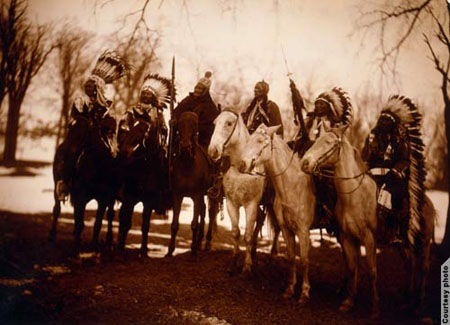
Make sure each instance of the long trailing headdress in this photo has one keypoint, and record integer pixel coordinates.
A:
(339, 102)
(408, 115)
(108, 68)
(160, 87)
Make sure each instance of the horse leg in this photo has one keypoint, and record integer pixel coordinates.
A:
(410, 275)
(289, 237)
(351, 252)
(98, 223)
(276, 229)
(146, 213)
(233, 212)
(78, 214)
(177, 200)
(425, 269)
(56, 214)
(212, 215)
(110, 216)
(303, 235)
(201, 226)
(125, 215)
(250, 236)
(259, 224)
(371, 253)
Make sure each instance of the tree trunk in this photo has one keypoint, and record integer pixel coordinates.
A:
(12, 131)
(445, 246)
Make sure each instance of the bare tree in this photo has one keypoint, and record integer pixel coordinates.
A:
(73, 62)
(139, 51)
(409, 19)
(26, 52)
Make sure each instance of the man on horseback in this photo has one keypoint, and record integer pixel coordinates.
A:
(200, 102)
(262, 110)
(388, 155)
(153, 99)
(93, 107)
(331, 109)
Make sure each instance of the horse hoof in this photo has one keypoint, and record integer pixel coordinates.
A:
(168, 255)
(375, 314)
(304, 299)
(346, 306)
(246, 270)
(207, 247)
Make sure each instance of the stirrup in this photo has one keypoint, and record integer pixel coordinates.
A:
(213, 192)
(60, 193)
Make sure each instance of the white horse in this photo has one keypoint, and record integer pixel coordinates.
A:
(229, 140)
(295, 200)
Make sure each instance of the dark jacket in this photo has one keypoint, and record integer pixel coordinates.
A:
(134, 114)
(270, 117)
(101, 118)
(206, 111)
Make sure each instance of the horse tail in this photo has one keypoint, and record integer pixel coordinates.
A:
(271, 218)
(213, 210)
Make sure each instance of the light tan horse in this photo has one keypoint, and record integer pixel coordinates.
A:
(295, 200)
(241, 190)
(356, 213)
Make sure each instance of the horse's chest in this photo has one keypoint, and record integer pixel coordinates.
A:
(242, 188)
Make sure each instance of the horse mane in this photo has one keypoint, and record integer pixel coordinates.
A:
(411, 119)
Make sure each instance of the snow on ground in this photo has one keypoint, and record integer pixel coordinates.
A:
(34, 194)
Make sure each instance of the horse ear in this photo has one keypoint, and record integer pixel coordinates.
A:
(341, 130)
(272, 130)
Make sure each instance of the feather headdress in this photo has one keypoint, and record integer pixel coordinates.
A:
(339, 102)
(408, 115)
(160, 87)
(110, 67)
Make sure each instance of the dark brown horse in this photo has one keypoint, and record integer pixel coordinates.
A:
(142, 176)
(89, 163)
(192, 175)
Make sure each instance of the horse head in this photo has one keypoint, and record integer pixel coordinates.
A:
(325, 151)
(137, 137)
(229, 130)
(259, 148)
(187, 126)
(78, 133)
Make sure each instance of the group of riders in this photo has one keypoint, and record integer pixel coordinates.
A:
(388, 161)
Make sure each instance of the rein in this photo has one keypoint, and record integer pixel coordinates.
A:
(234, 128)
(317, 172)
(255, 173)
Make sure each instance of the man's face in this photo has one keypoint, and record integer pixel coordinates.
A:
(90, 88)
(259, 91)
(147, 97)
(199, 90)
(322, 109)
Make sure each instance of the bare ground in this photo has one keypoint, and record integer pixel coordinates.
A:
(111, 288)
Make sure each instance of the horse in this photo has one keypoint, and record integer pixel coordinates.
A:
(142, 176)
(356, 213)
(84, 155)
(229, 139)
(191, 176)
(295, 199)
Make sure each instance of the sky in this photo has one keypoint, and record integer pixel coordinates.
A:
(249, 40)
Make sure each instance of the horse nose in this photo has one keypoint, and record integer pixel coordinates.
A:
(305, 165)
(242, 167)
(213, 152)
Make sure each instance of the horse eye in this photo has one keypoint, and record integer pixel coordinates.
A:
(228, 123)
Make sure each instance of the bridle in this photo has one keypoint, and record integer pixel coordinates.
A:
(267, 141)
(319, 172)
(234, 128)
